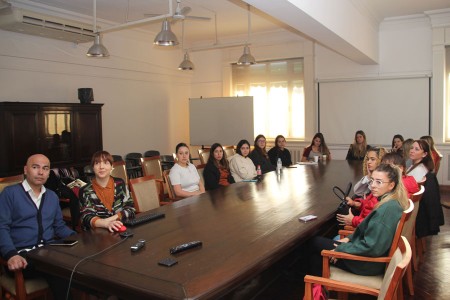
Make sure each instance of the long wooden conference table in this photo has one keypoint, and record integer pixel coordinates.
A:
(245, 228)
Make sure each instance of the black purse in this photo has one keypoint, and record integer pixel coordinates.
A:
(343, 206)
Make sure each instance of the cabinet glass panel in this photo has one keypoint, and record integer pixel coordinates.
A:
(58, 135)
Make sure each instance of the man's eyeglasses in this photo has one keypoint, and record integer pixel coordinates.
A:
(377, 182)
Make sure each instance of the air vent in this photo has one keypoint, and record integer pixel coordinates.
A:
(28, 22)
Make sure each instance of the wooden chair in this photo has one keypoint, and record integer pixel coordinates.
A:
(391, 281)
(7, 181)
(409, 233)
(120, 171)
(373, 282)
(203, 154)
(152, 166)
(200, 169)
(133, 161)
(19, 288)
(229, 150)
(144, 191)
(169, 186)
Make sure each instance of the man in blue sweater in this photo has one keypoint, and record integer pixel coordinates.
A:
(30, 217)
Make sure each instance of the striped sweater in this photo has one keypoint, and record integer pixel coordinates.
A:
(91, 206)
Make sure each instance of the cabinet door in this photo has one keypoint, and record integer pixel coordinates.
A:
(20, 139)
(88, 125)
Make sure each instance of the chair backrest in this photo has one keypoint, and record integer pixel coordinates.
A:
(7, 181)
(152, 166)
(203, 154)
(169, 186)
(200, 169)
(151, 153)
(145, 193)
(408, 228)
(229, 150)
(395, 270)
(117, 157)
(120, 170)
(398, 233)
(167, 162)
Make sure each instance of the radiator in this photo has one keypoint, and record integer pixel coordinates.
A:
(296, 154)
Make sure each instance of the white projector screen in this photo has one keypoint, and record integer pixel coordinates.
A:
(224, 120)
(381, 108)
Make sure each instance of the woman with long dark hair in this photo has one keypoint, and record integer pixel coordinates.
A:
(422, 162)
(259, 155)
(217, 170)
(318, 147)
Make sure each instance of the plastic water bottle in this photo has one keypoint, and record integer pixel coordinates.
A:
(279, 165)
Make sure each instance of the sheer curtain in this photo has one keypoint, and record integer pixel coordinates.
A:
(278, 95)
(447, 92)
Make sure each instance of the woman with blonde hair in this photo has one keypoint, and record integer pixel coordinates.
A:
(372, 160)
(373, 237)
(358, 149)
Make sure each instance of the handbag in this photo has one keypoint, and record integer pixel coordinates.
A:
(318, 292)
(343, 206)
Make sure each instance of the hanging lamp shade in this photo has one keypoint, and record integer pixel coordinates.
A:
(186, 64)
(246, 58)
(166, 37)
(97, 50)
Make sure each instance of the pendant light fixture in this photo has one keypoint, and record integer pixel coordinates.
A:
(186, 64)
(247, 58)
(166, 37)
(97, 50)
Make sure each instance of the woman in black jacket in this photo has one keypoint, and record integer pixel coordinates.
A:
(259, 155)
(217, 170)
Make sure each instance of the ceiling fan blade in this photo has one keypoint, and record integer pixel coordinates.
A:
(197, 18)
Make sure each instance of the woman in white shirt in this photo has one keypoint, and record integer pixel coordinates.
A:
(422, 161)
(184, 176)
(241, 165)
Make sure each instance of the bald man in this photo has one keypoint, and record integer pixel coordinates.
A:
(30, 216)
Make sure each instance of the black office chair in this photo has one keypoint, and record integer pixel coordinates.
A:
(117, 158)
(167, 162)
(151, 153)
(133, 162)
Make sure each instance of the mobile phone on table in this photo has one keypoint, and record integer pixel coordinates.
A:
(66, 242)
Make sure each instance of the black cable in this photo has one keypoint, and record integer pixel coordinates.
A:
(87, 257)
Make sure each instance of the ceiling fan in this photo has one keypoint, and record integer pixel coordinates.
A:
(181, 13)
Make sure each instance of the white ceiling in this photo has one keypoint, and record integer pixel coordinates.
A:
(231, 15)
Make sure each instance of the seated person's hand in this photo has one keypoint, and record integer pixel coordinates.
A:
(17, 262)
(113, 225)
(345, 219)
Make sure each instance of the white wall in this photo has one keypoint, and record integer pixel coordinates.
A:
(145, 97)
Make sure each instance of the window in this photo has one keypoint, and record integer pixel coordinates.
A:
(278, 96)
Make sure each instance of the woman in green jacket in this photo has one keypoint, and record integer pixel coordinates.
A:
(373, 237)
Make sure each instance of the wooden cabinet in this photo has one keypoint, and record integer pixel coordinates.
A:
(68, 133)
